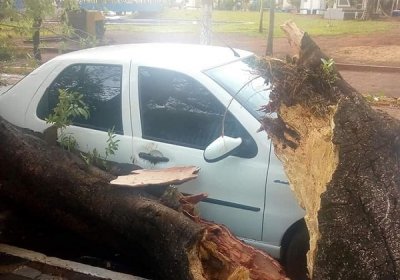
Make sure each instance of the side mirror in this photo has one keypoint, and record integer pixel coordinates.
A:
(220, 148)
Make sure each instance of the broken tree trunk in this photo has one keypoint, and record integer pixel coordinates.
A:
(56, 186)
(342, 159)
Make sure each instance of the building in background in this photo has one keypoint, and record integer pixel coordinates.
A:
(315, 7)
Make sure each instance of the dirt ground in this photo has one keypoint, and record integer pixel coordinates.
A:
(375, 49)
(378, 49)
(382, 49)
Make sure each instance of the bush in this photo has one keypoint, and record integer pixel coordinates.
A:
(6, 51)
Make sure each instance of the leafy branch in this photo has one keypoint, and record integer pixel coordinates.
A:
(95, 158)
(328, 70)
(70, 105)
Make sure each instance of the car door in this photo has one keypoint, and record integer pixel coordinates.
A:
(104, 90)
(177, 117)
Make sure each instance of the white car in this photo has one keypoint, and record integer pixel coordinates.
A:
(167, 102)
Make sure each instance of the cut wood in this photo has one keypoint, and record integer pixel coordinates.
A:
(342, 160)
(166, 176)
(58, 187)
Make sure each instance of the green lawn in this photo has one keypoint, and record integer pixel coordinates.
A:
(248, 22)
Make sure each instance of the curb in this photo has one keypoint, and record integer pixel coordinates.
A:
(367, 68)
(60, 266)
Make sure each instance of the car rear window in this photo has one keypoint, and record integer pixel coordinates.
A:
(100, 86)
(239, 79)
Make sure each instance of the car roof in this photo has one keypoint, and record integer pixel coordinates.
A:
(164, 55)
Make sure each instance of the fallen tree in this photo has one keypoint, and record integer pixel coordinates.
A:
(342, 160)
(340, 155)
(57, 186)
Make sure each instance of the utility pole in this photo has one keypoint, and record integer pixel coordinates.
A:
(270, 38)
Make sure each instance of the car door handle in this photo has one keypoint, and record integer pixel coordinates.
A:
(281, 182)
(153, 159)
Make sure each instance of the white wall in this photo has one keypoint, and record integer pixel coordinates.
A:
(312, 6)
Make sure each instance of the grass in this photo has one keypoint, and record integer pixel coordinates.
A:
(381, 100)
(248, 23)
(16, 70)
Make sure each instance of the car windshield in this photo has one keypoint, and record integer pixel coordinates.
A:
(240, 80)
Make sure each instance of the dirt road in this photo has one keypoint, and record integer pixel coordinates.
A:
(377, 49)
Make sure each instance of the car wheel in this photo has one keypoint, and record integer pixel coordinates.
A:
(294, 257)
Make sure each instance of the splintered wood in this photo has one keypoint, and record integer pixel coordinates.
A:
(150, 177)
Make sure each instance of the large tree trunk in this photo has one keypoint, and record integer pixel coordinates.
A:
(342, 159)
(57, 186)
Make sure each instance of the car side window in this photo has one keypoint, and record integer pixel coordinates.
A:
(100, 86)
(177, 109)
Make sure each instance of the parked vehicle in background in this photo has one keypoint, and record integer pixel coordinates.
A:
(169, 105)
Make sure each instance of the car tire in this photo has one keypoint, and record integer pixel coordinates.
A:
(294, 257)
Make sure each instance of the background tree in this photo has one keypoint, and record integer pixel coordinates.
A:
(6, 8)
(330, 3)
(370, 7)
(296, 3)
(27, 16)
(37, 10)
(69, 5)
(32, 12)
(260, 26)
(206, 21)
(270, 39)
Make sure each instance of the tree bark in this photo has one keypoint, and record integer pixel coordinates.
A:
(37, 23)
(370, 9)
(57, 186)
(270, 38)
(206, 22)
(261, 22)
(342, 160)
